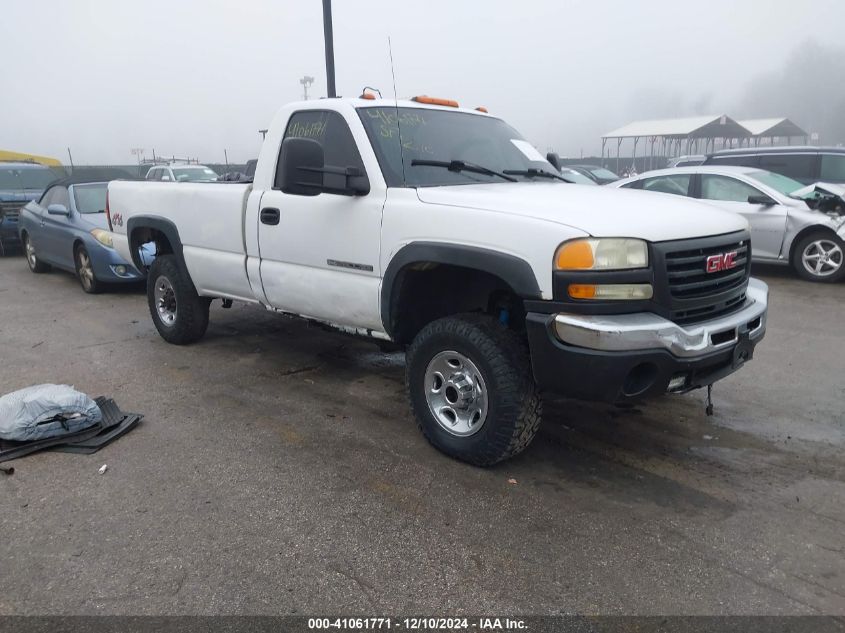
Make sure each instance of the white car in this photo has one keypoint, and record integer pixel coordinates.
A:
(441, 230)
(790, 222)
(181, 173)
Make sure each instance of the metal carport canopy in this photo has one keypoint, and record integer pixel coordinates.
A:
(772, 127)
(718, 126)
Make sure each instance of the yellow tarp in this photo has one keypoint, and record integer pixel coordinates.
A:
(44, 160)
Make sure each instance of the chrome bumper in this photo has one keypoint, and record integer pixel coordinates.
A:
(645, 331)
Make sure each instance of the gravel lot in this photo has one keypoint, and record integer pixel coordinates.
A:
(278, 471)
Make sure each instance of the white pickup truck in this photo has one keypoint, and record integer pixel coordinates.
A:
(442, 230)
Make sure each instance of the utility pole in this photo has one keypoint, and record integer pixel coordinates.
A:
(329, 40)
(71, 159)
(306, 81)
(226, 156)
(263, 134)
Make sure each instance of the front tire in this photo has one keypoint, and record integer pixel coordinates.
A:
(820, 256)
(471, 389)
(85, 271)
(35, 264)
(179, 313)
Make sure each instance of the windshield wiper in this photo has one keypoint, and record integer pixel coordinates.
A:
(534, 173)
(459, 166)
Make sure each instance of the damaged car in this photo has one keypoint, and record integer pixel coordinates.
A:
(791, 223)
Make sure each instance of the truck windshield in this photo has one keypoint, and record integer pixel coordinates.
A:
(25, 178)
(440, 135)
(90, 198)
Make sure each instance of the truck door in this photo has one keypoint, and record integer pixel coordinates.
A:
(320, 254)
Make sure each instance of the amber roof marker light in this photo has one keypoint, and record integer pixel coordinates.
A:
(369, 95)
(449, 103)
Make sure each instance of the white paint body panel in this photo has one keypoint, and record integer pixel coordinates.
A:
(229, 253)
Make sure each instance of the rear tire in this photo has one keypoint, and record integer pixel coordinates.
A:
(35, 264)
(471, 389)
(85, 271)
(820, 256)
(179, 313)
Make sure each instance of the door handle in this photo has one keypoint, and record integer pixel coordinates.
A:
(270, 216)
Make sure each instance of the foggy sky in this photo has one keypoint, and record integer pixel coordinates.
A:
(192, 77)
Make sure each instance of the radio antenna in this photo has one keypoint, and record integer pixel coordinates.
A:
(396, 107)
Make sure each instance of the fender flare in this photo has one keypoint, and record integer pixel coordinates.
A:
(514, 271)
(157, 223)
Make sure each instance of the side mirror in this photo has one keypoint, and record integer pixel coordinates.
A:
(766, 201)
(299, 171)
(302, 171)
(58, 209)
(554, 159)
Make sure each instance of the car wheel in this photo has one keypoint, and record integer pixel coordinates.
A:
(179, 313)
(820, 256)
(85, 271)
(35, 264)
(471, 389)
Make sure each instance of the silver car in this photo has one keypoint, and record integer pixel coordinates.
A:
(791, 223)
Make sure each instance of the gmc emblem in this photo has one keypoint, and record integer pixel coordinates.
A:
(725, 261)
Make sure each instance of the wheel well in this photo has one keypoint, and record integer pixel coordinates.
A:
(143, 235)
(76, 244)
(425, 291)
(804, 233)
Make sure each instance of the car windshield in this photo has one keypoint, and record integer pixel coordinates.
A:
(778, 182)
(573, 176)
(25, 178)
(194, 174)
(601, 172)
(444, 136)
(90, 198)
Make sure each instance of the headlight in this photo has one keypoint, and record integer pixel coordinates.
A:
(103, 237)
(610, 253)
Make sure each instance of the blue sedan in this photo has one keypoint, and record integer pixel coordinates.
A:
(67, 228)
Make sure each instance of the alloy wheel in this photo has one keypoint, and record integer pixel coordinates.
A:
(822, 257)
(165, 301)
(456, 393)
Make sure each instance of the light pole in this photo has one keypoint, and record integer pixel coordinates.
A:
(306, 81)
(328, 36)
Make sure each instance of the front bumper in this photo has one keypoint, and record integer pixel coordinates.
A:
(631, 356)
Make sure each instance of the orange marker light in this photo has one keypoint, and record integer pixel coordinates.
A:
(582, 291)
(482, 109)
(450, 103)
(574, 256)
(367, 95)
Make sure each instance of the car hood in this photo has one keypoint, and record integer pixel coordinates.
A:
(90, 221)
(822, 187)
(598, 211)
(20, 195)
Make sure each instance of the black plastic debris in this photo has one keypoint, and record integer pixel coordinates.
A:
(113, 425)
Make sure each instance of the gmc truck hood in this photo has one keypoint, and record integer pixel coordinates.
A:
(598, 211)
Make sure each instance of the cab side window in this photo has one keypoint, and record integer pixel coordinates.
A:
(153, 174)
(333, 133)
(726, 189)
(677, 184)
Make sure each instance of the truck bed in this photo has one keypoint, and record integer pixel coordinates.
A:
(210, 221)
